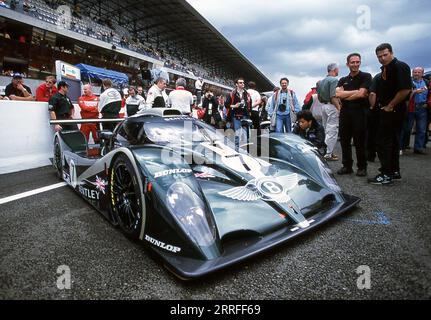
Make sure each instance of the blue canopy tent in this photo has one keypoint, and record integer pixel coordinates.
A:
(119, 79)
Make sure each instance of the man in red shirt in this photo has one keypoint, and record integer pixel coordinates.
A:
(89, 105)
(46, 90)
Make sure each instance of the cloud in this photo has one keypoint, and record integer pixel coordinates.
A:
(298, 39)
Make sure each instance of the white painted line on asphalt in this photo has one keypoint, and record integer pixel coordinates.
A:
(32, 192)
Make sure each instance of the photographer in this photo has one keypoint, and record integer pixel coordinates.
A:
(210, 105)
(238, 107)
(282, 108)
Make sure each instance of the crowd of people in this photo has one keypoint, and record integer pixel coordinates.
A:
(377, 114)
(102, 28)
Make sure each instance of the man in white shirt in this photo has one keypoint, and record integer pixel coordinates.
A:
(109, 104)
(180, 98)
(134, 102)
(156, 91)
(255, 103)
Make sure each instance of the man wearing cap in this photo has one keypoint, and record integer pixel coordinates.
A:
(17, 90)
(61, 108)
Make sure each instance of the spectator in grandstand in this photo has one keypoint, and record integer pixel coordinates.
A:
(396, 85)
(109, 104)
(309, 129)
(255, 104)
(180, 98)
(417, 113)
(157, 97)
(314, 105)
(134, 102)
(61, 108)
(282, 107)
(327, 95)
(89, 110)
(17, 90)
(46, 90)
(353, 92)
(238, 107)
(211, 110)
(198, 89)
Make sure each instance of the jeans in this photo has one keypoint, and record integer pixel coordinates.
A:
(421, 117)
(238, 131)
(283, 123)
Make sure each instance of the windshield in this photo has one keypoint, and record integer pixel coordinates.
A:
(171, 132)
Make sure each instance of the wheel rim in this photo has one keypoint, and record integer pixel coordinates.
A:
(57, 157)
(125, 199)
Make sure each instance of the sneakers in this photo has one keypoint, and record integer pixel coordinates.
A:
(381, 179)
(361, 173)
(344, 170)
(331, 157)
(396, 176)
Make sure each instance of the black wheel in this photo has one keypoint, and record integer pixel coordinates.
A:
(57, 161)
(126, 197)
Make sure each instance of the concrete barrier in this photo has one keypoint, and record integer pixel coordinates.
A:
(26, 136)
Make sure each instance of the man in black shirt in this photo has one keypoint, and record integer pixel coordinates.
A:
(61, 108)
(393, 91)
(353, 92)
(17, 90)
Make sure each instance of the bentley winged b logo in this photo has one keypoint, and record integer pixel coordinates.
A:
(266, 188)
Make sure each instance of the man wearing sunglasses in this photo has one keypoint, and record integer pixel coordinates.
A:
(46, 90)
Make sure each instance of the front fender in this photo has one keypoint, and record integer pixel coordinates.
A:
(163, 168)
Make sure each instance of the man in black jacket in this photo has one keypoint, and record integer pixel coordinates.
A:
(210, 105)
(309, 129)
(395, 87)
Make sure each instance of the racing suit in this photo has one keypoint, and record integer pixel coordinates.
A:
(89, 110)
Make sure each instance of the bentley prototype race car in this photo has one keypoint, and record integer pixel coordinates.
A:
(178, 185)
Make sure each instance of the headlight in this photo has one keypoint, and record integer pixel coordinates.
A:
(190, 212)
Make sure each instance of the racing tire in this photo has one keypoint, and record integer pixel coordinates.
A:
(57, 160)
(126, 198)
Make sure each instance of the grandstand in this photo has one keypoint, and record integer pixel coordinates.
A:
(122, 35)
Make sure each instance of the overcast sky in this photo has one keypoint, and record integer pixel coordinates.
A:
(298, 39)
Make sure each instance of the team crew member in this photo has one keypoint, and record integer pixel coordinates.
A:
(17, 90)
(134, 102)
(327, 95)
(157, 97)
(255, 104)
(46, 90)
(180, 98)
(309, 129)
(109, 104)
(394, 90)
(89, 110)
(61, 108)
(353, 92)
(238, 107)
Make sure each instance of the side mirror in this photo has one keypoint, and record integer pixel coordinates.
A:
(105, 135)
